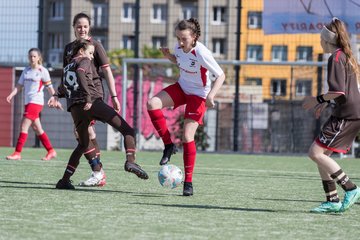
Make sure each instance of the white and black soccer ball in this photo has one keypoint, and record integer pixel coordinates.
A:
(170, 176)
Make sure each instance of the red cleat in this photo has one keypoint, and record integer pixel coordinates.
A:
(14, 156)
(50, 155)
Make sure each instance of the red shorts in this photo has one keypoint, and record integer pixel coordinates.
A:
(32, 111)
(195, 105)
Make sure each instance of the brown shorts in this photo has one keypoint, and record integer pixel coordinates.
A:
(337, 134)
(98, 111)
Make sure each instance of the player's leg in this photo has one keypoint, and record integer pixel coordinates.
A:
(81, 121)
(170, 96)
(24, 129)
(194, 114)
(39, 131)
(189, 154)
(104, 112)
(336, 135)
(92, 154)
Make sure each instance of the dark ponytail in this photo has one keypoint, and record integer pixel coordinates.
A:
(79, 44)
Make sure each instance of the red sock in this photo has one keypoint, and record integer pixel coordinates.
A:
(45, 141)
(159, 122)
(189, 159)
(21, 142)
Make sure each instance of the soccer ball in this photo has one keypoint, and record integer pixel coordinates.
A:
(170, 176)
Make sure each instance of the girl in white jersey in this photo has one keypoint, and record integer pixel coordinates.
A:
(33, 79)
(193, 88)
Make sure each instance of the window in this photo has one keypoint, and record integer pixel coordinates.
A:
(100, 15)
(253, 81)
(158, 42)
(56, 41)
(219, 15)
(254, 53)
(128, 42)
(304, 54)
(303, 87)
(279, 53)
(57, 10)
(254, 20)
(188, 12)
(158, 13)
(218, 46)
(278, 87)
(128, 12)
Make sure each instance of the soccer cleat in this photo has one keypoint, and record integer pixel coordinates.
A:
(188, 189)
(350, 198)
(96, 179)
(136, 169)
(64, 184)
(14, 156)
(50, 155)
(169, 150)
(327, 207)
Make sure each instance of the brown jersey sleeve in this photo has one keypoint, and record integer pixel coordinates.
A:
(83, 72)
(100, 56)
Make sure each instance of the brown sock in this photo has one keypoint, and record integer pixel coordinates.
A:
(330, 191)
(343, 180)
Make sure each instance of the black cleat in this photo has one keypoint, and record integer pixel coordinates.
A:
(169, 150)
(64, 184)
(136, 169)
(188, 189)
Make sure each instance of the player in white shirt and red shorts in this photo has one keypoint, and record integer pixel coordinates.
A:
(33, 79)
(194, 88)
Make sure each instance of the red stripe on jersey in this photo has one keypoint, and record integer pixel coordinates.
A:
(193, 52)
(40, 85)
(337, 55)
(203, 75)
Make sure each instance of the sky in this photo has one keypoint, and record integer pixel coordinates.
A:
(18, 29)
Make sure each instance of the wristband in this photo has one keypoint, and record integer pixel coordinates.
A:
(55, 95)
(114, 96)
(321, 99)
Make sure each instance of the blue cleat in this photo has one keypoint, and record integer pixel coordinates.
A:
(327, 207)
(350, 198)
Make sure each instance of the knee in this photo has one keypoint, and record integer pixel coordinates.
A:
(313, 155)
(153, 104)
(187, 138)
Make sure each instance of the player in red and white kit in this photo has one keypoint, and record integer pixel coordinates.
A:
(194, 88)
(33, 80)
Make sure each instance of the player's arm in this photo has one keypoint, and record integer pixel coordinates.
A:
(168, 55)
(215, 88)
(109, 77)
(16, 89)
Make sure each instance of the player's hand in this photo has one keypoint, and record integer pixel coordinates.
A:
(165, 51)
(87, 106)
(309, 103)
(319, 109)
(210, 101)
(8, 98)
(116, 104)
(54, 102)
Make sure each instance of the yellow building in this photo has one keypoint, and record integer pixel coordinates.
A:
(280, 82)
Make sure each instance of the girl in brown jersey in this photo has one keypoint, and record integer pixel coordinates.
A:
(341, 128)
(100, 63)
(86, 105)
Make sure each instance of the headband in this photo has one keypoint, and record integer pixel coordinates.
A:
(328, 35)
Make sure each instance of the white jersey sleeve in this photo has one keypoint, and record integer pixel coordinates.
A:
(207, 60)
